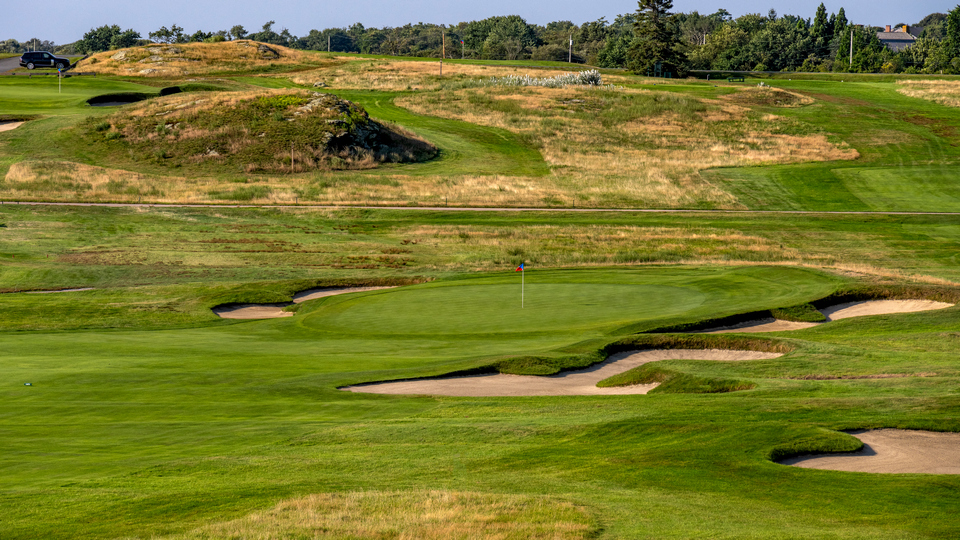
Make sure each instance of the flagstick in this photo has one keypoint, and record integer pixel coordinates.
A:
(522, 272)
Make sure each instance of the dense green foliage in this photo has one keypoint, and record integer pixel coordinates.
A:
(106, 38)
(752, 42)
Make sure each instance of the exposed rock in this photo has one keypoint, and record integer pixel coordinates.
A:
(147, 71)
(267, 53)
(122, 55)
(319, 84)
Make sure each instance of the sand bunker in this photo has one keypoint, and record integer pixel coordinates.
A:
(880, 307)
(892, 451)
(762, 325)
(572, 383)
(275, 311)
(7, 126)
(61, 290)
(833, 313)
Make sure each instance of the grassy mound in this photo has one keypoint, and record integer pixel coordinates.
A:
(272, 131)
(768, 96)
(674, 382)
(240, 56)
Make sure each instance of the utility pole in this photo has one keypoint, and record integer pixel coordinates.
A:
(328, 42)
(851, 47)
(570, 53)
(443, 50)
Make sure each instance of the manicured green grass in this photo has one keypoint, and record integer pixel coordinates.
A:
(464, 148)
(141, 433)
(907, 154)
(33, 95)
(148, 416)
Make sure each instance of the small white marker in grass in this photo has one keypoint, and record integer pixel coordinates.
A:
(27, 384)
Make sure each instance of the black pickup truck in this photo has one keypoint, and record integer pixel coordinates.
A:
(38, 59)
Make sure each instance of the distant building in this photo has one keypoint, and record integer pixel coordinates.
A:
(899, 38)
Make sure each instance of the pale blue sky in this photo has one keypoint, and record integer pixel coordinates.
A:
(69, 19)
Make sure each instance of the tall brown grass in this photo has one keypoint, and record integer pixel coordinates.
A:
(195, 59)
(942, 92)
(652, 160)
(420, 515)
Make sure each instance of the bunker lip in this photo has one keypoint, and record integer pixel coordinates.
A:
(275, 310)
(50, 291)
(569, 383)
(891, 451)
(832, 313)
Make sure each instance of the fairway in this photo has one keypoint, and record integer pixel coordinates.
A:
(648, 375)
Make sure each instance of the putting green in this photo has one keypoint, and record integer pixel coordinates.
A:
(562, 301)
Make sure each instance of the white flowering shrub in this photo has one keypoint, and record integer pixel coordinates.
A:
(583, 78)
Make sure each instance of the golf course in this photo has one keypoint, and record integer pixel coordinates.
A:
(736, 315)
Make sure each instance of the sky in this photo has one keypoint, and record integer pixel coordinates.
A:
(70, 19)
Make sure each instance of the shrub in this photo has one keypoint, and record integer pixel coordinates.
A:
(583, 78)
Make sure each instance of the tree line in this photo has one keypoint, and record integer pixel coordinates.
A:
(653, 40)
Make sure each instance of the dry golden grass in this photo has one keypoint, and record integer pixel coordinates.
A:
(195, 59)
(67, 181)
(655, 159)
(394, 75)
(486, 248)
(768, 96)
(425, 515)
(942, 92)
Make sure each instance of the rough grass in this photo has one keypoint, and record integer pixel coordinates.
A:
(638, 147)
(800, 313)
(426, 515)
(672, 381)
(942, 92)
(266, 130)
(179, 60)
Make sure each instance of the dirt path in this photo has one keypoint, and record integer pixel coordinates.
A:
(571, 383)
(892, 451)
(7, 126)
(275, 311)
(833, 313)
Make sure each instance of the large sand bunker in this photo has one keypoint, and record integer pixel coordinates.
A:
(572, 383)
(892, 451)
(834, 313)
(274, 311)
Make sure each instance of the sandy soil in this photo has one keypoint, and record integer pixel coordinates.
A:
(763, 325)
(61, 290)
(7, 126)
(893, 451)
(571, 383)
(275, 311)
(880, 307)
(252, 311)
(833, 313)
(313, 294)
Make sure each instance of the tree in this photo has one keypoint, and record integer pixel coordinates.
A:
(821, 32)
(172, 35)
(613, 54)
(656, 40)
(125, 39)
(238, 32)
(106, 38)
